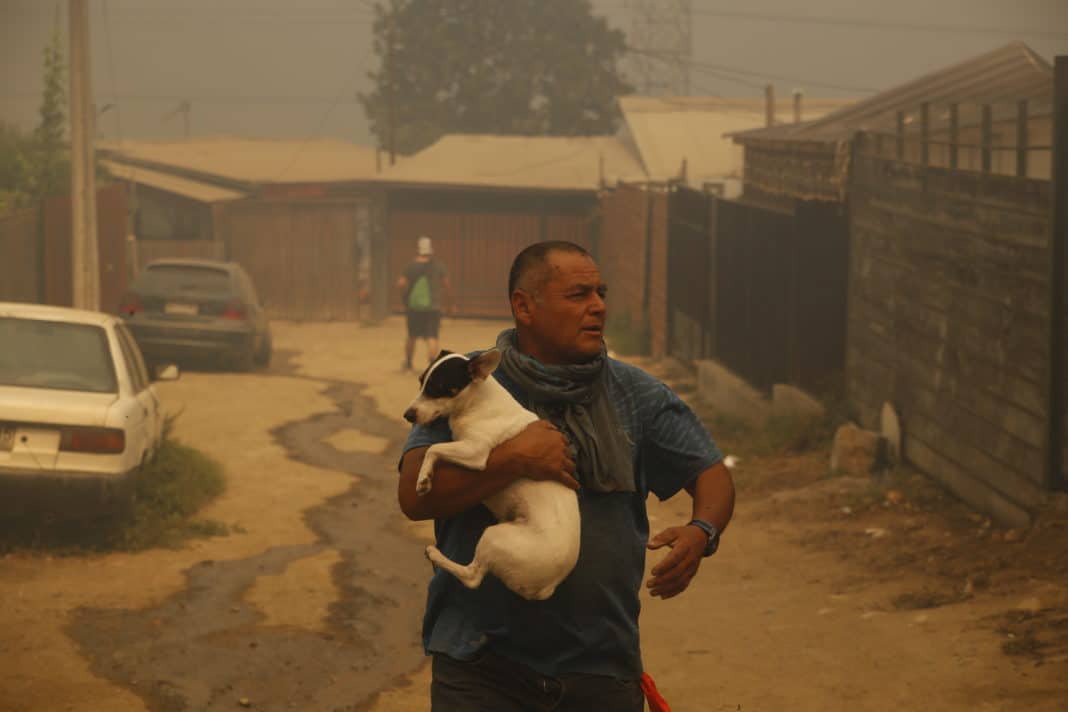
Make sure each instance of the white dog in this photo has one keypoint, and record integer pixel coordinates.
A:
(535, 544)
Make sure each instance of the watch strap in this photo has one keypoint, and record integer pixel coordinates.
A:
(711, 531)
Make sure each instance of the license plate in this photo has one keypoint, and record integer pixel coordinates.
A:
(7, 439)
(180, 309)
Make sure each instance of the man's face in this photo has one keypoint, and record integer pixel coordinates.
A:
(563, 321)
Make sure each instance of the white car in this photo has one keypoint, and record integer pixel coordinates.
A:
(78, 412)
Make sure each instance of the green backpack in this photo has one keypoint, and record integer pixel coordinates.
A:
(419, 295)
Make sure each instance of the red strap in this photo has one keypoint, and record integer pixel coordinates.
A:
(652, 696)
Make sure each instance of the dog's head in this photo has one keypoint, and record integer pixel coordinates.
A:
(447, 384)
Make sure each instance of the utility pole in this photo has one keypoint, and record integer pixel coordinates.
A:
(391, 94)
(661, 40)
(85, 270)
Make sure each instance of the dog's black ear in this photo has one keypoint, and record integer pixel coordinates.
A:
(442, 354)
(484, 364)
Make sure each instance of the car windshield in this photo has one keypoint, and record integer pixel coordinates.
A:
(54, 354)
(187, 278)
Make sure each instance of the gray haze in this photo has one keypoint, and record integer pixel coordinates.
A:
(271, 68)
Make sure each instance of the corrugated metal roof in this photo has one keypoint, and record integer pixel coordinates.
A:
(670, 130)
(550, 163)
(1001, 78)
(202, 192)
(252, 161)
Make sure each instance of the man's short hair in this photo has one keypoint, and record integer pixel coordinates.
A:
(536, 256)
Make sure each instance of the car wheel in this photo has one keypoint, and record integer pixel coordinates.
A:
(263, 355)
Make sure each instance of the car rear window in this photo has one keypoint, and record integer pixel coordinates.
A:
(183, 278)
(55, 354)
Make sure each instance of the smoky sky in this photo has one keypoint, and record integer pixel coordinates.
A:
(269, 68)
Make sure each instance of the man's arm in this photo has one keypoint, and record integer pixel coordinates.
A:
(539, 452)
(713, 501)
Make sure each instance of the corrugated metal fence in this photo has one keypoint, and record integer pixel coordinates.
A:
(20, 259)
(36, 249)
(303, 256)
(477, 248)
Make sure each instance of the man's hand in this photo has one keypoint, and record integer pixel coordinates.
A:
(672, 575)
(540, 452)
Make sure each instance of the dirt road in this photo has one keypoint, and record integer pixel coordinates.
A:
(313, 602)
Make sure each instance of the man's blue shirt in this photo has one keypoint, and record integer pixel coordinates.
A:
(590, 625)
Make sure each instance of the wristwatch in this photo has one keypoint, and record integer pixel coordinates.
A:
(713, 535)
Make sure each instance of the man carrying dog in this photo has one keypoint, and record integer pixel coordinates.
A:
(610, 431)
(424, 287)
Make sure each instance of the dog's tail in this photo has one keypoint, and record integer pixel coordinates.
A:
(470, 575)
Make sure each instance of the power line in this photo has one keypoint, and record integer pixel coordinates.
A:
(880, 24)
(202, 98)
(736, 80)
(290, 16)
(701, 66)
(345, 90)
(722, 71)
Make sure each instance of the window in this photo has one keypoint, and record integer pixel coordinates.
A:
(135, 364)
(57, 355)
(187, 278)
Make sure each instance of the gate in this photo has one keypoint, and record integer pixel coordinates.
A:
(689, 268)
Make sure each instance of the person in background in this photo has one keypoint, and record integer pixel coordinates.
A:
(424, 289)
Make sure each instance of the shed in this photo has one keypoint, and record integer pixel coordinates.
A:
(937, 118)
(300, 215)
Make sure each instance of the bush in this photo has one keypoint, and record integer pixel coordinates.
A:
(167, 492)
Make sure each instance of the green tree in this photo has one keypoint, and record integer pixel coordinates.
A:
(14, 168)
(50, 160)
(529, 67)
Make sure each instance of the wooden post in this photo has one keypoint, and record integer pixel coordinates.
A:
(1021, 138)
(954, 134)
(987, 137)
(797, 106)
(769, 105)
(901, 135)
(85, 274)
(925, 133)
(391, 94)
(1055, 476)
